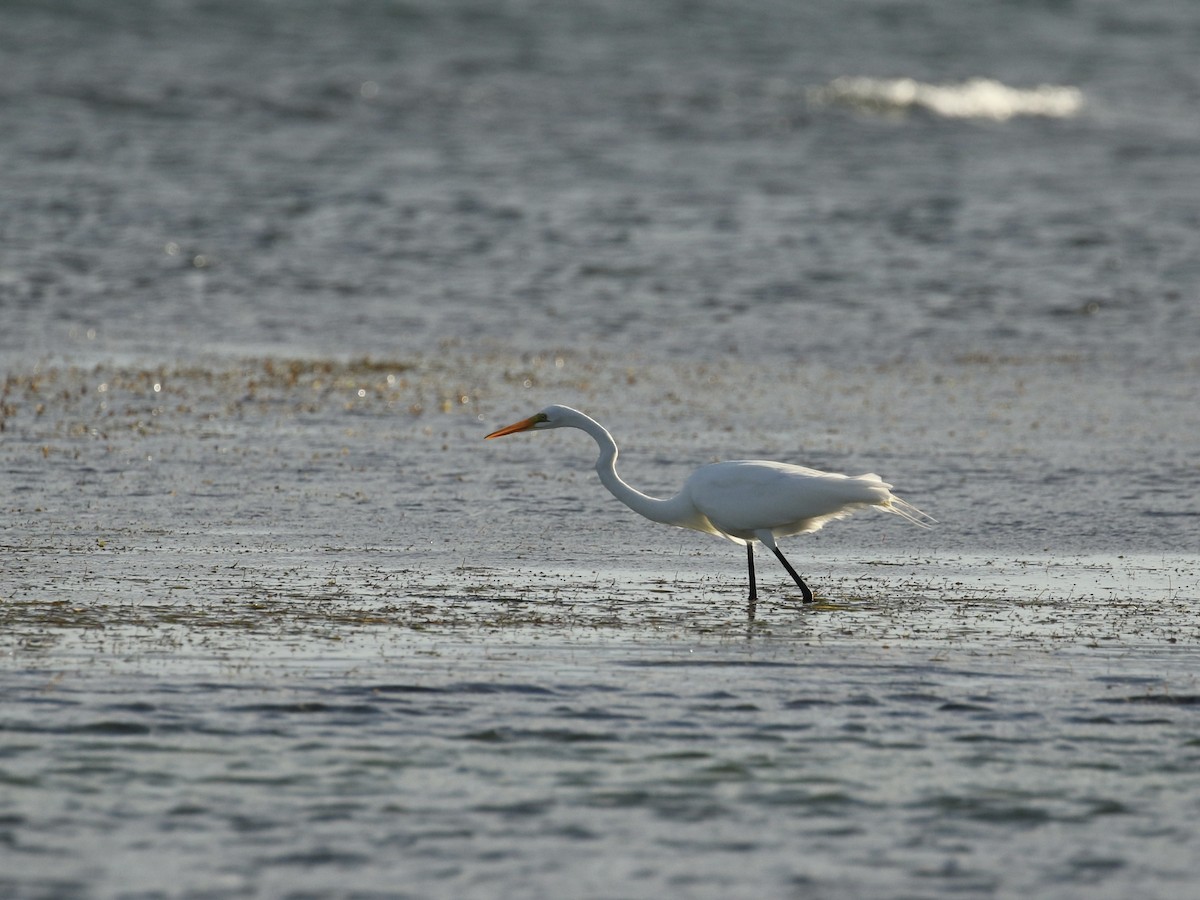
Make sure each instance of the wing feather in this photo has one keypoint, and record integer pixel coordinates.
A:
(740, 497)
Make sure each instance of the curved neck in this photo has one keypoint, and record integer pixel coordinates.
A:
(606, 467)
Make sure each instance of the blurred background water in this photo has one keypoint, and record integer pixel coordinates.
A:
(277, 623)
(674, 178)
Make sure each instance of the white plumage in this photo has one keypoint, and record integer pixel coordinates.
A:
(744, 500)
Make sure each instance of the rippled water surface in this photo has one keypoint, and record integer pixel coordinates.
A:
(593, 745)
(276, 622)
(264, 636)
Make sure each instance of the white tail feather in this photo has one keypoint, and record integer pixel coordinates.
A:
(908, 512)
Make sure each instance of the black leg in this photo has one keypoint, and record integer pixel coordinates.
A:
(753, 585)
(750, 562)
(808, 595)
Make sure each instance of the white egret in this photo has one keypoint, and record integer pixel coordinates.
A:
(745, 500)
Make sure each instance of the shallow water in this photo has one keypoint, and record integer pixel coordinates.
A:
(265, 636)
(275, 621)
(589, 743)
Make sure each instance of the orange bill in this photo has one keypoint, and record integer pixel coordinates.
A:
(523, 425)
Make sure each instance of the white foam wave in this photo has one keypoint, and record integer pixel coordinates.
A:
(976, 98)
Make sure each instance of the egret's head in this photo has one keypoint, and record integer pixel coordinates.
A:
(550, 417)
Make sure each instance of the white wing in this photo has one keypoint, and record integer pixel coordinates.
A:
(740, 497)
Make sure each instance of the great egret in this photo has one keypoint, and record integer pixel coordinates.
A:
(744, 500)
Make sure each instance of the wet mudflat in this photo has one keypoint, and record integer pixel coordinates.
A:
(294, 628)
